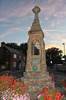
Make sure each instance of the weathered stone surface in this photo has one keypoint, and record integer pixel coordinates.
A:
(36, 74)
(33, 96)
(36, 25)
(36, 80)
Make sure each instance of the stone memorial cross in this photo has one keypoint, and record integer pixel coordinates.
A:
(36, 76)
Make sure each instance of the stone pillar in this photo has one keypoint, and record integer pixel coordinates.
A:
(36, 76)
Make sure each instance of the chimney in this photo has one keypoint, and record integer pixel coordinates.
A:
(3, 44)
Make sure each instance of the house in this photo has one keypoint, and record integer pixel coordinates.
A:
(10, 58)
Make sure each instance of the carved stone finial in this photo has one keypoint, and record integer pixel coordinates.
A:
(36, 25)
(36, 10)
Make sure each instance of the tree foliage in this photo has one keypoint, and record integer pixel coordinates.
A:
(53, 54)
(22, 47)
(13, 45)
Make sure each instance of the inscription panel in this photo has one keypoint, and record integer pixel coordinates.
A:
(35, 61)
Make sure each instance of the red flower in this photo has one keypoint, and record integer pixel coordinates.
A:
(64, 83)
(24, 87)
(45, 90)
(52, 77)
(51, 94)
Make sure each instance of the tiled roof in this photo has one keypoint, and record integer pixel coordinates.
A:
(13, 50)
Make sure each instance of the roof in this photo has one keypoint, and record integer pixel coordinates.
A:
(13, 50)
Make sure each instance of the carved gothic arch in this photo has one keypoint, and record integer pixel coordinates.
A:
(35, 45)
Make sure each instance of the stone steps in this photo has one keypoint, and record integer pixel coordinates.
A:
(37, 88)
(36, 75)
(33, 96)
(34, 82)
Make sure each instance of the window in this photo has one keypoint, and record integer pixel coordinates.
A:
(7, 63)
(24, 57)
(14, 64)
(15, 56)
(23, 64)
(20, 57)
(35, 48)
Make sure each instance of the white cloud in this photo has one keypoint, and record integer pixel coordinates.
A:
(23, 11)
(54, 10)
(54, 30)
(13, 30)
(50, 45)
(55, 36)
(50, 8)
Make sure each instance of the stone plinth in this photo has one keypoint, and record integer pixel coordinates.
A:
(36, 81)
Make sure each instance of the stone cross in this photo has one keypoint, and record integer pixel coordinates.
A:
(36, 69)
(36, 10)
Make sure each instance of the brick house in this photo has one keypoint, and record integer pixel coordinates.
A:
(11, 58)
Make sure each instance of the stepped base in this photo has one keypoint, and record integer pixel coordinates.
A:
(36, 82)
(33, 96)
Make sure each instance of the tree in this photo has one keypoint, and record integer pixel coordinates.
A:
(13, 45)
(23, 48)
(53, 55)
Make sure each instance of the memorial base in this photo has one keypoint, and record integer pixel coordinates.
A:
(36, 81)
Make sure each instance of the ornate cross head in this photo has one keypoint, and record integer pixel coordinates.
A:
(36, 10)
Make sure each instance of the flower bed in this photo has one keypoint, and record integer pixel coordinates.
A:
(12, 89)
(15, 89)
(7, 95)
(64, 83)
(6, 81)
(50, 94)
(53, 79)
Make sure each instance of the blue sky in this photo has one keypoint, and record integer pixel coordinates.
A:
(16, 18)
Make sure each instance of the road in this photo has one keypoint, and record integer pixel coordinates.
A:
(18, 73)
(57, 75)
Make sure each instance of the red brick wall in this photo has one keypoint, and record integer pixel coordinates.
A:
(7, 56)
